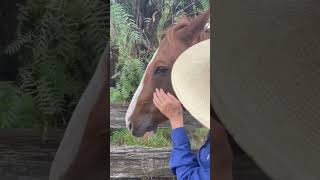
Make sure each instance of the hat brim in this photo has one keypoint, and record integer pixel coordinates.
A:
(190, 78)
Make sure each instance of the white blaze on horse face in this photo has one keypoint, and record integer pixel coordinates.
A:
(136, 95)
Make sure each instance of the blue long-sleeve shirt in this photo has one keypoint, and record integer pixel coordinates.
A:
(186, 164)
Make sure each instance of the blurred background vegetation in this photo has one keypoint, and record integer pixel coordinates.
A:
(136, 28)
(56, 46)
(50, 49)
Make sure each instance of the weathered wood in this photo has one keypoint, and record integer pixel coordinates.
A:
(118, 112)
(133, 162)
(143, 162)
(23, 155)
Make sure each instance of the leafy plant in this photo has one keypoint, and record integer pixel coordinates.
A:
(125, 36)
(58, 44)
(16, 109)
(131, 76)
(201, 5)
(125, 32)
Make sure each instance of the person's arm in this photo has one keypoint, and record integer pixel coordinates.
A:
(183, 162)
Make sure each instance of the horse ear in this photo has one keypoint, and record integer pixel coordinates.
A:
(195, 27)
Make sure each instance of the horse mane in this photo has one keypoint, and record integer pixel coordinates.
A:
(182, 22)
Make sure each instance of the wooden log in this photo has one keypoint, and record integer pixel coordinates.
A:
(138, 162)
(118, 112)
(23, 154)
(144, 162)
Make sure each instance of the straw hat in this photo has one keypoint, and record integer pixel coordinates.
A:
(266, 83)
(191, 81)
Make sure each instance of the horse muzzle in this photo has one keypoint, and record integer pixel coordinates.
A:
(139, 126)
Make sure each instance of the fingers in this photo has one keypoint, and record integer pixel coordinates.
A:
(156, 95)
(156, 101)
(168, 105)
(162, 99)
(172, 97)
(162, 95)
(159, 95)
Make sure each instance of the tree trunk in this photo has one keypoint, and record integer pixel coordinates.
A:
(144, 10)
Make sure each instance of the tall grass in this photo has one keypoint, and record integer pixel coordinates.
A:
(161, 139)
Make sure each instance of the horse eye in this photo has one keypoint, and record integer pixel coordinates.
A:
(161, 70)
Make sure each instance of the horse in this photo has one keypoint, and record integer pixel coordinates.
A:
(142, 116)
(82, 153)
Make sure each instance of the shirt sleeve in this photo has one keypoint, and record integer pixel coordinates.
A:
(183, 162)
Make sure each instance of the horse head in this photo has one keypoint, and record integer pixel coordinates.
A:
(142, 116)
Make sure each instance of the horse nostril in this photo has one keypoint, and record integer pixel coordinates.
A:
(129, 125)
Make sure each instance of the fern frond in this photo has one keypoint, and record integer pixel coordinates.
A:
(59, 43)
(15, 46)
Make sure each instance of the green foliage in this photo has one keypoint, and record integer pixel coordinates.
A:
(201, 5)
(115, 95)
(125, 33)
(58, 44)
(129, 79)
(162, 138)
(197, 136)
(17, 110)
(125, 36)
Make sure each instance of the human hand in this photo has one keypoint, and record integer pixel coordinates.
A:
(169, 106)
